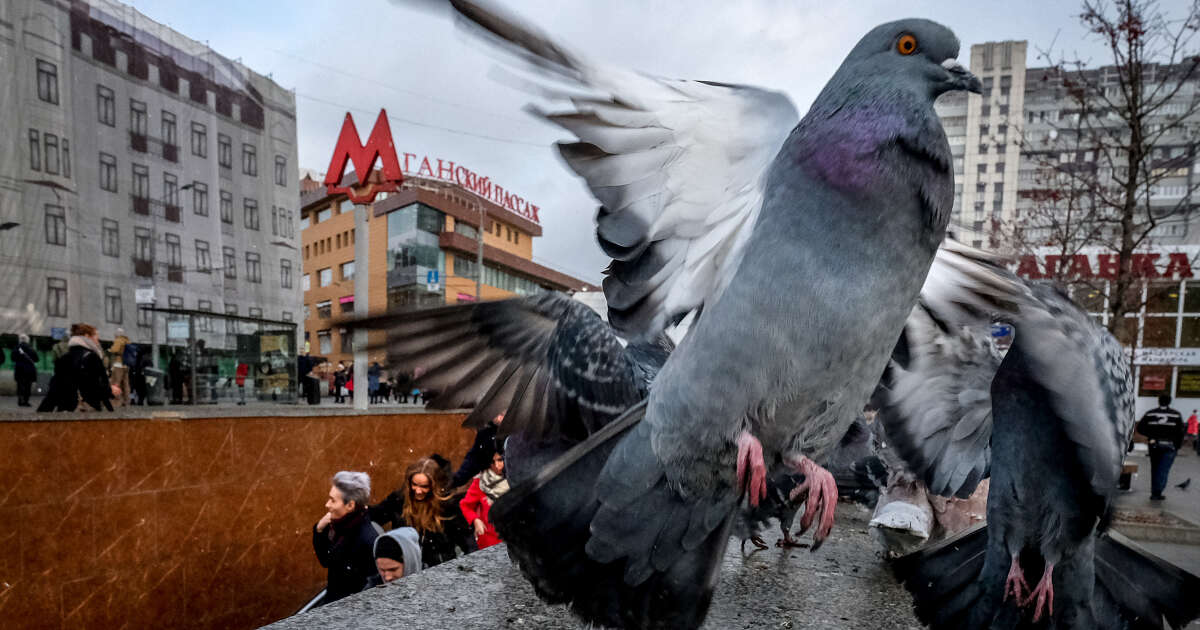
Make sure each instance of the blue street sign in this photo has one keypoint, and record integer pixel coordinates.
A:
(431, 277)
(58, 333)
(1001, 330)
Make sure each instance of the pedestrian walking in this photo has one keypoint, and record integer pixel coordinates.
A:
(118, 370)
(344, 539)
(24, 368)
(1164, 428)
(1193, 431)
(79, 375)
(240, 379)
(373, 373)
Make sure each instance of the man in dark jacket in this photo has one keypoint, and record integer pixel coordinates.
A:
(1164, 428)
(344, 539)
(24, 369)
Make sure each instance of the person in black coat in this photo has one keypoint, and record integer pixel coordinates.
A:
(479, 457)
(424, 504)
(80, 375)
(344, 539)
(24, 369)
(1164, 428)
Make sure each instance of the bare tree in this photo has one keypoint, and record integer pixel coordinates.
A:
(1117, 163)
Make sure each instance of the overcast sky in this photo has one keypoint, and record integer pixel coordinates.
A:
(440, 89)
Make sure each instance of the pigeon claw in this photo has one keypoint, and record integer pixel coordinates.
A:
(751, 469)
(820, 499)
(1044, 592)
(1015, 583)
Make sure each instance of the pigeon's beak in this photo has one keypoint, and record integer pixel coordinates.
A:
(960, 79)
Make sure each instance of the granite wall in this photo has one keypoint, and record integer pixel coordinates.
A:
(196, 523)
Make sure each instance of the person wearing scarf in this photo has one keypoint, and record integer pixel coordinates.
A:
(344, 539)
(79, 374)
(486, 487)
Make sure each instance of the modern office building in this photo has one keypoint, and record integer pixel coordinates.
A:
(139, 166)
(424, 248)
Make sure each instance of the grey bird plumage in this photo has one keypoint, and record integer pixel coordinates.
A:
(802, 246)
(1051, 428)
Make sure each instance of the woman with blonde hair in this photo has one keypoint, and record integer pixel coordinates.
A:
(424, 503)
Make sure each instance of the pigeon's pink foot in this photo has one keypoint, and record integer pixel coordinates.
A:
(1015, 583)
(820, 499)
(1044, 592)
(751, 469)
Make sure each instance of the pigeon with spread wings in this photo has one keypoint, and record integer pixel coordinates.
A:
(802, 244)
(1049, 423)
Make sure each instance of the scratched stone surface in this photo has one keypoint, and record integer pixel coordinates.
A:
(184, 520)
(843, 585)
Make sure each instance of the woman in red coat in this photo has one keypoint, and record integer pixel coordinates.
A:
(485, 488)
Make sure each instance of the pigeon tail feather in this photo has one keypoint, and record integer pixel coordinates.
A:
(1141, 589)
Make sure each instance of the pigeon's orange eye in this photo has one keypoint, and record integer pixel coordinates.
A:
(907, 45)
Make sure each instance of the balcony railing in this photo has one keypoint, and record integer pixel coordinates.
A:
(170, 152)
(141, 205)
(138, 141)
(174, 273)
(171, 213)
(143, 268)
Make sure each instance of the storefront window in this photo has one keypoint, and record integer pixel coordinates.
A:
(1127, 334)
(1159, 332)
(1189, 335)
(1090, 298)
(1191, 297)
(1154, 380)
(1162, 297)
(1188, 383)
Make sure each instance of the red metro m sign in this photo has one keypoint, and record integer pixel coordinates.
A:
(350, 149)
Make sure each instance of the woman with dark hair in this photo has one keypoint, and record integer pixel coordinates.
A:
(425, 504)
(80, 375)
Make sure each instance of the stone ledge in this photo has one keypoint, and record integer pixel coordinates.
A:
(844, 585)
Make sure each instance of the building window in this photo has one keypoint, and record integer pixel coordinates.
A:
(325, 277)
(347, 340)
(229, 262)
(256, 312)
(170, 190)
(306, 282)
(324, 345)
(50, 142)
(226, 207)
(174, 301)
(47, 82)
(108, 172)
(224, 151)
(174, 250)
(143, 245)
(324, 215)
(35, 151)
(199, 140)
(56, 297)
(324, 309)
(106, 106)
(112, 305)
(285, 274)
(141, 181)
(231, 325)
(200, 198)
(280, 170)
(348, 270)
(982, 168)
(203, 258)
(253, 267)
(110, 238)
(274, 221)
(66, 158)
(250, 208)
(249, 160)
(169, 134)
(145, 317)
(56, 225)
(204, 324)
(286, 316)
(137, 117)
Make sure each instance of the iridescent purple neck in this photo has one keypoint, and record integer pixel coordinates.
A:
(843, 149)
